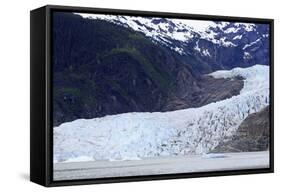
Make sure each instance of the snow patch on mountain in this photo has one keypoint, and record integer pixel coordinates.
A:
(226, 43)
(247, 56)
(179, 50)
(182, 132)
(251, 44)
(237, 37)
(202, 51)
(247, 26)
(232, 30)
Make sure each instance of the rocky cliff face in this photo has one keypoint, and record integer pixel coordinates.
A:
(252, 134)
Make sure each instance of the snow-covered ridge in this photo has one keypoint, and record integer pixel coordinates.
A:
(182, 132)
(165, 30)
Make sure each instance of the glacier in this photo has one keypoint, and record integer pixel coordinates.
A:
(189, 131)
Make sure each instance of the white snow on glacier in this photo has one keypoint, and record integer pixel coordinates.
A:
(182, 132)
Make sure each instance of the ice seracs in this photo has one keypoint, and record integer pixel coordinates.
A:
(182, 132)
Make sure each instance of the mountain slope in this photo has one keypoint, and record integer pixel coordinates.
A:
(101, 68)
(188, 131)
(218, 45)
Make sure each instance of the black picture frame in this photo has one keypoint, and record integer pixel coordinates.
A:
(41, 135)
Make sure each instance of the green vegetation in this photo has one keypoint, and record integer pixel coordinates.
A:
(64, 91)
(147, 66)
(117, 87)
